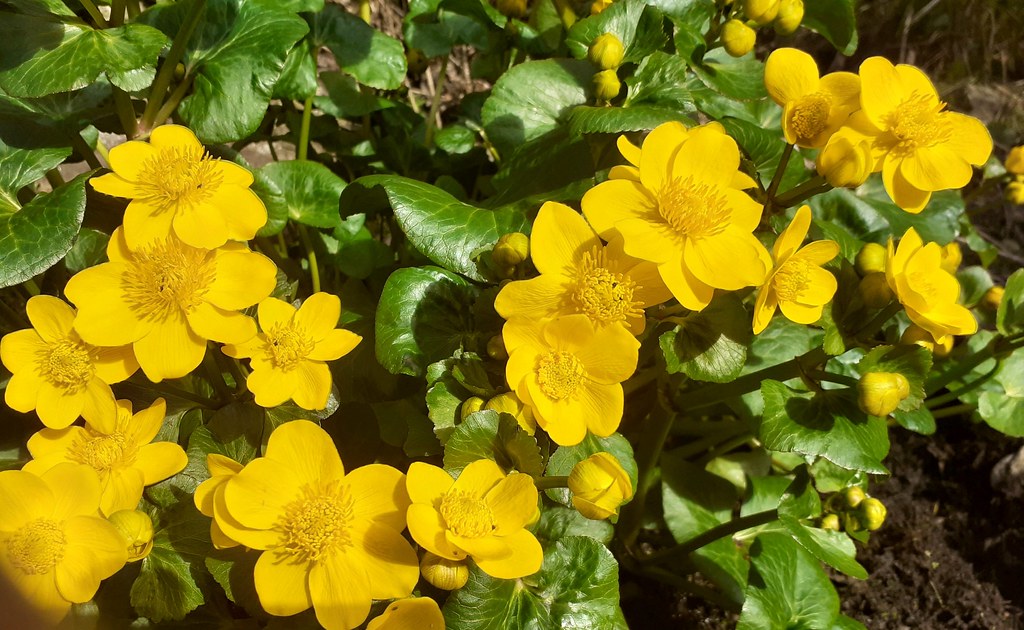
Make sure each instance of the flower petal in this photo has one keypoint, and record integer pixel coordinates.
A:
(658, 153)
(122, 490)
(730, 260)
(202, 227)
(902, 192)
(969, 138)
(427, 528)
(22, 391)
(21, 349)
(257, 496)
(426, 483)
(114, 185)
(789, 74)
(126, 159)
(75, 488)
(170, 350)
(882, 92)
(146, 224)
(691, 292)
(379, 495)
(392, 568)
(513, 502)
(282, 583)
(25, 497)
(272, 387)
(58, 408)
(51, 317)
(340, 592)
(601, 406)
(94, 551)
(104, 318)
(477, 479)
(242, 279)
(114, 365)
(709, 156)
(307, 450)
(211, 322)
(935, 168)
(793, 236)
(273, 311)
(175, 137)
(335, 345)
(559, 239)
(160, 460)
(526, 558)
(247, 215)
(319, 314)
(312, 385)
(609, 202)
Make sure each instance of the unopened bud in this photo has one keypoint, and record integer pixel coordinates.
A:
(470, 406)
(993, 297)
(951, 257)
(845, 163)
(599, 5)
(870, 259)
(853, 496)
(606, 85)
(179, 71)
(872, 514)
(1015, 191)
(915, 335)
(496, 348)
(738, 38)
(791, 14)
(599, 485)
(942, 350)
(606, 51)
(442, 573)
(137, 530)
(880, 393)
(761, 11)
(509, 403)
(851, 523)
(874, 290)
(1015, 160)
(511, 249)
(511, 8)
(830, 522)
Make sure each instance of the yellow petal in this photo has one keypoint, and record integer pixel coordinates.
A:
(272, 387)
(902, 192)
(114, 365)
(609, 202)
(147, 423)
(307, 450)
(21, 349)
(312, 385)
(657, 155)
(745, 213)
(146, 224)
(800, 313)
(98, 407)
(477, 479)
(844, 87)
(335, 345)
(426, 483)
(793, 236)
(611, 356)
(378, 496)
(789, 74)
(535, 299)
(247, 215)
(210, 322)
(242, 279)
(935, 168)
(25, 497)
(114, 185)
(170, 350)
(427, 528)
(691, 292)
(559, 239)
(601, 408)
(523, 334)
(417, 613)
(341, 595)
(257, 496)
(94, 551)
(272, 312)
(709, 157)
(51, 317)
(127, 159)
(122, 490)
(650, 289)
(624, 172)
(22, 392)
(820, 289)
(485, 547)
(628, 150)
(525, 559)
(969, 138)
(764, 307)
(160, 460)
(913, 81)
(319, 314)
(282, 583)
(566, 427)
(259, 539)
(202, 227)
(104, 318)
(649, 239)
(174, 137)
(75, 488)
(56, 407)
(819, 252)
(729, 260)
(392, 568)
(513, 502)
(233, 174)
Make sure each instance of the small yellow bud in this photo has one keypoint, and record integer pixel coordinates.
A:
(844, 163)
(874, 290)
(137, 530)
(914, 334)
(738, 38)
(951, 257)
(993, 297)
(599, 486)
(179, 72)
(1015, 160)
(791, 14)
(496, 348)
(872, 514)
(511, 249)
(870, 259)
(470, 406)
(853, 495)
(606, 85)
(416, 61)
(1015, 191)
(761, 11)
(942, 350)
(442, 573)
(599, 5)
(851, 523)
(511, 8)
(606, 51)
(830, 522)
(880, 393)
(509, 403)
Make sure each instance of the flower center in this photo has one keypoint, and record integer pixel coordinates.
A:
(560, 374)
(693, 209)
(103, 452)
(67, 364)
(179, 176)
(916, 124)
(318, 523)
(603, 295)
(37, 547)
(792, 279)
(467, 516)
(167, 277)
(809, 116)
(287, 345)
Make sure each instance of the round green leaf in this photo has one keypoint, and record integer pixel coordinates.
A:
(303, 191)
(372, 57)
(498, 437)
(710, 345)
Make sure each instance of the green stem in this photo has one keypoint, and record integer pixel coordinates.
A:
(648, 454)
(16, 319)
(54, 177)
(780, 170)
(687, 586)
(94, 13)
(546, 483)
(565, 13)
(134, 10)
(302, 149)
(804, 191)
(216, 377)
(80, 145)
(725, 447)
(168, 390)
(875, 323)
(174, 56)
(640, 379)
(31, 286)
(172, 102)
(435, 104)
(125, 112)
(314, 271)
(955, 410)
(949, 397)
(117, 8)
(718, 436)
(832, 377)
(962, 368)
(713, 534)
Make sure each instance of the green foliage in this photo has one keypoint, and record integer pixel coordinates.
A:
(304, 192)
(710, 345)
(494, 436)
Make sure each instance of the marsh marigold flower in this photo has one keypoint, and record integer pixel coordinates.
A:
(166, 299)
(288, 358)
(58, 374)
(124, 456)
(579, 274)
(209, 496)
(415, 613)
(330, 540)
(797, 283)
(813, 107)
(56, 549)
(685, 211)
(570, 373)
(917, 145)
(481, 515)
(599, 486)
(928, 292)
(845, 162)
(1015, 160)
(176, 186)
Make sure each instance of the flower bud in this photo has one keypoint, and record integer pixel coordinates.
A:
(137, 530)
(738, 38)
(1015, 160)
(870, 259)
(599, 5)
(761, 11)
(875, 290)
(871, 513)
(511, 249)
(951, 257)
(853, 496)
(443, 573)
(606, 85)
(599, 486)
(943, 349)
(845, 163)
(1015, 191)
(471, 405)
(496, 348)
(509, 403)
(851, 523)
(830, 522)
(606, 51)
(511, 8)
(791, 13)
(993, 297)
(914, 334)
(179, 71)
(880, 393)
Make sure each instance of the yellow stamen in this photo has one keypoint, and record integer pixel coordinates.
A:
(178, 177)
(67, 364)
(319, 522)
(466, 516)
(792, 279)
(167, 277)
(560, 375)
(693, 209)
(288, 344)
(37, 547)
(916, 124)
(809, 116)
(103, 452)
(602, 294)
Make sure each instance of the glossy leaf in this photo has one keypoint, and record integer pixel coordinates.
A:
(370, 56)
(305, 192)
(490, 435)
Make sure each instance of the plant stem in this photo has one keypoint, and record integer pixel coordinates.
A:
(546, 483)
(94, 13)
(435, 104)
(713, 534)
(31, 286)
(168, 390)
(806, 190)
(725, 447)
(174, 56)
(780, 170)
(950, 396)
(314, 271)
(875, 323)
(216, 377)
(832, 377)
(80, 145)
(565, 13)
(963, 367)
(134, 10)
(648, 453)
(302, 149)
(172, 102)
(54, 177)
(687, 586)
(125, 112)
(955, 410)
(117, 8)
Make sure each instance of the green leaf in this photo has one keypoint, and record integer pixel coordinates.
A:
(233, 569)
(234, 431)
(577, 587)
(21, 167)
(741, 78)
(435, 27)
(557, 522)
(938, 222)
(444, 229)
(834, 19)
(90, 249)
(372, 57)
(236, 54)
(1004, 411)
(168, 584)
(787, 589)
(565, 458)
(1010, 316)
(659, 80)
(828, 424)
(298, 76)
(974, 282)
(585, 119)
(424, 316)
(710, 345)
(637, 25)
(532, 99)
(494, 436)
(764, 147)
(303, 191)
(33, 239)
(919, 420)
(60, 55)
(913, 362)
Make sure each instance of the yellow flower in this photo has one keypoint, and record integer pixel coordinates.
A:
(509, 403)
(917, 145)
(209, 496)
(175, 185)
(1015, 191)
(137, 530)
(928, 292)
(687, 213)
(599, 5)
(813, 108)
(797, 284)
(167, 299)
(599, 486)
(415, 613)
(481, 515)
(123, 456)
(1015, 160)
(581, 275)
(58, 374)
(737, 38)
(330, 540)
(288, 357)
(845, 162)
(55, 549)
(570, 373)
